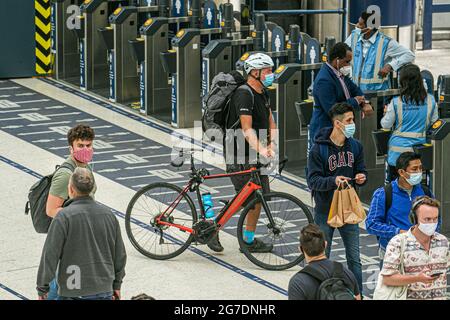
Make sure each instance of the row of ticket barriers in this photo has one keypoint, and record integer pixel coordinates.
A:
(160, 57)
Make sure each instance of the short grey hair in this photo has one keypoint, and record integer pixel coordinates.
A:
(82, 181)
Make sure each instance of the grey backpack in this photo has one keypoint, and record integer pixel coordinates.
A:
(216, 104)
(37, 200)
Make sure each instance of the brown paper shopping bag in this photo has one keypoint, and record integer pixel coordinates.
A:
(335, 215)
(352, 208)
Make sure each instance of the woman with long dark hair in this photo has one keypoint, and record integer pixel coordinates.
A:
(409, 115)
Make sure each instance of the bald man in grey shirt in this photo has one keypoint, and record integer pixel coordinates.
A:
(84, 247)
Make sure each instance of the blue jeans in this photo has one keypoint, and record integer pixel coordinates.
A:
(98, 296)
(53, 292)
(350, 236)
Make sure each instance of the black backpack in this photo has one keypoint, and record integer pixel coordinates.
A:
(334, 288)
(217, 103)
(37, 200)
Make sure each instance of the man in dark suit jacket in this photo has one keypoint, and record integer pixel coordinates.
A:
(333, 85)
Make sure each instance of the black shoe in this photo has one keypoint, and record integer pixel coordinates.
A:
(214, 244)
(258, 246)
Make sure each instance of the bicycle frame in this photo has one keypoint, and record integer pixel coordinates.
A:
(229, 210)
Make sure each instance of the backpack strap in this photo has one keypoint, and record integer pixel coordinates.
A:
(388, 196)
(246, 87)
(338, 270)
(323, 149)
(387, 199)
(314, 272)
(238, 121)
(65, 165)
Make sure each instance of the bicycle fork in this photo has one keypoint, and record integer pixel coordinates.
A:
(264, 204)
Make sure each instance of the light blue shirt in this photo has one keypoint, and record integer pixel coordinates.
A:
(396, 54)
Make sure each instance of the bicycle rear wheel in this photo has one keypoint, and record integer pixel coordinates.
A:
(154, 240)
(290, 215)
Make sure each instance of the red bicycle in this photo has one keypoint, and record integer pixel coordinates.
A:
(162, 220)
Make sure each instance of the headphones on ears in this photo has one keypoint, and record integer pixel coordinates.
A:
(413, 213)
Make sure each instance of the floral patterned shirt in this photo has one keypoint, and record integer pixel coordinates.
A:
(417, 260)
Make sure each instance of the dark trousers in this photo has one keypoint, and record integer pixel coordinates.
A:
(350, 236)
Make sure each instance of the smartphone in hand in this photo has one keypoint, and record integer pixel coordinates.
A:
(435, 275)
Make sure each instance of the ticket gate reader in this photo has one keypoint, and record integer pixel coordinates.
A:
(64, 41)
(183, 63)
(435, 157)
(155, 89)
(92, 48)
(156, 35)
(123, 74)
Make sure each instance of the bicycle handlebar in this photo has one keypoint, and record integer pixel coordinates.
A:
(179, 161)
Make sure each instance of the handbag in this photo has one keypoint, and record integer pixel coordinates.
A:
(336, 215)
(352, 208)
(384, 292)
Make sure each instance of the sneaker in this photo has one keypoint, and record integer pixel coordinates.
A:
(258, 246)
(214, 244)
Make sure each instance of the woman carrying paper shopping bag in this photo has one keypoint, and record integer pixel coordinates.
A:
(335, 158)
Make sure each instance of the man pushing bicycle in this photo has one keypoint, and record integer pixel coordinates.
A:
(250, 139)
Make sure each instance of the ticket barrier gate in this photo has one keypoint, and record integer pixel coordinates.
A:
(93, 57)
(154, 86)
(64, 41)
(123, 75)
(156, 35)
(375, 163)
(291, 115)
(183, 63)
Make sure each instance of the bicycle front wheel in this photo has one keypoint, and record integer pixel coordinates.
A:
(290, 215)
(155, 240)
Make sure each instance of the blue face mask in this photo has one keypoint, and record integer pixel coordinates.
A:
(268, 80)
(349, 130)
(414, 178)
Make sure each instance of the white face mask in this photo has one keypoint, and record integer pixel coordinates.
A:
(428, 228)
(346, 71)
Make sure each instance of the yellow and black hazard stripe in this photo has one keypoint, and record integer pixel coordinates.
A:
(42, 36)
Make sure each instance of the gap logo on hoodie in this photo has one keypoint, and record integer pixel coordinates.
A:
(341, 159)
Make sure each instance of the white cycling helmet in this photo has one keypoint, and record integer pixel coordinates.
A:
(258, 61)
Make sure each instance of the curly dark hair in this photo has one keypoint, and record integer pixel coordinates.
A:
(81, 131)
(412, 89)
